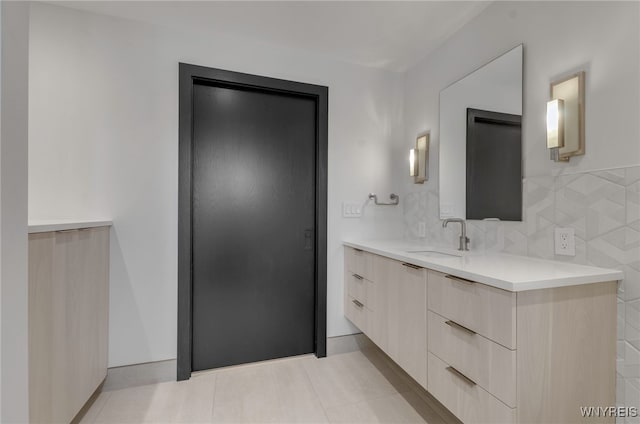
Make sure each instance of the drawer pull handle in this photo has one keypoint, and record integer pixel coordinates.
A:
(74, 229)
(462, 376)
(359, 277)
(460, 327)
(411, 266)
(357, 303)
(357, 250)
(461, 280)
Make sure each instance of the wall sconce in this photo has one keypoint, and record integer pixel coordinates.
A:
(419, 160)
(565, 118)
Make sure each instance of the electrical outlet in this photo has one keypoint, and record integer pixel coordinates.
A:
(565, 241)
(422, 229)
(351, 210)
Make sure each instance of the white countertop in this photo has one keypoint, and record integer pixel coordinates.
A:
(507, 272)
(44, 226)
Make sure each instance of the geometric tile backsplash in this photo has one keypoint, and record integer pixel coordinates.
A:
(604, 209)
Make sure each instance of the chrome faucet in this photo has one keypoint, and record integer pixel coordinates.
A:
(464, 240)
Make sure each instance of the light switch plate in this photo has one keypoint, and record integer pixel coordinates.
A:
(351, 210)
(565, 241)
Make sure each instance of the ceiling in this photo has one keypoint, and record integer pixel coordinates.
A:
(384, 34)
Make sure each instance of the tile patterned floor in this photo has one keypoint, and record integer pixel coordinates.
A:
(356, 387)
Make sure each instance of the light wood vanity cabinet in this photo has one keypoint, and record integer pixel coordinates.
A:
(393, 312)
(357, 288)
(533, 356)
(68, 320)
(472, 357)
(491, 355)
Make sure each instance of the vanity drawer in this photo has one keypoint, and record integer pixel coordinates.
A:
(356, 286)
(465, 399)
(356, 312)
(362, 289)
(486, 310)
(358, 262)
(490, 365)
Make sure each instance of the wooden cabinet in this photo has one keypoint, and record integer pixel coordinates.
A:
(357, 288)
(566, 352)
(489, 355)
(529, 357)
(68, 320)
(394, 308)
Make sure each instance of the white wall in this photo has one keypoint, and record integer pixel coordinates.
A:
(559, 38)
(103, 121)
(14, 37)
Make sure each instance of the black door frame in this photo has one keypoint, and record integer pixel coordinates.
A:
(189, 75)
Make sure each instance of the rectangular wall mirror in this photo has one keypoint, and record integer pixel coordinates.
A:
(481, 142)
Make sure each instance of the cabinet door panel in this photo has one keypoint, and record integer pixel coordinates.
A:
(68, 320)
(79, 304)
(86, 267)
(64, 275)
(41, 328)
(385, 304)
(377, 305)
(407, 319)
(97, 274)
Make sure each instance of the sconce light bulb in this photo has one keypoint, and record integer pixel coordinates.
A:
(413, 166)
(555, 124)
(552, 115)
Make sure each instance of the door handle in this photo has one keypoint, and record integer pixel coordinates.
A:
(308, 237)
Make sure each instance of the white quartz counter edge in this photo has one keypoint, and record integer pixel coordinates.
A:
(503, 271)
(47, 226)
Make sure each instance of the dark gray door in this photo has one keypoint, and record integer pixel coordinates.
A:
(253, 217)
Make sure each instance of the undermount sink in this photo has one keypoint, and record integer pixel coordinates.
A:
(435, 254)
